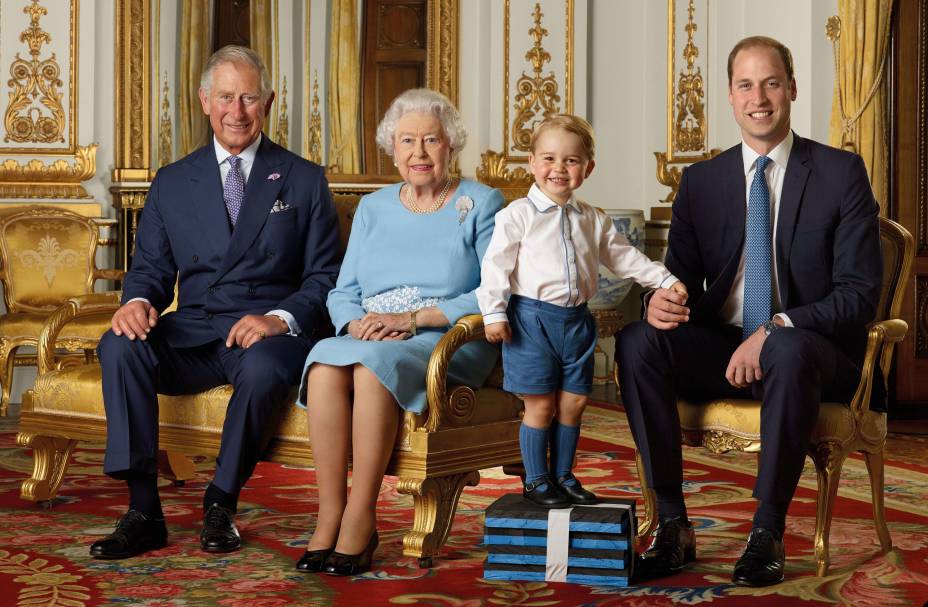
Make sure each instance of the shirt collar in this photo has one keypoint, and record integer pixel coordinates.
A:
(779, 155)
(543, 203)
(247, 155)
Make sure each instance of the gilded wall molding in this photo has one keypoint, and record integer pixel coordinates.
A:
(282, 137)
(538, 95)
(687, 118)
(921, 316)
(35, 113)
(314, 125)
(442, 62)
(165, 128)
(58, 179)
(133, 90)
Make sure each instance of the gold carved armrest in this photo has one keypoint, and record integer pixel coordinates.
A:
(108, 274)
(456, 408)
(881, 338)
(75, 307)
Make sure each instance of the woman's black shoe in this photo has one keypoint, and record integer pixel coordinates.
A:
(575, 491)
(545, 493)
(313, 561)
(352, 564)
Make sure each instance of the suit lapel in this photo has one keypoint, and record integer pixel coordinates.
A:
(733, 219)
(260, 195)
(794, 183)
(206, 189)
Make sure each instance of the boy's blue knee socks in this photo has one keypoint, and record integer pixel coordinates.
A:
(563, 449)
(533, 442)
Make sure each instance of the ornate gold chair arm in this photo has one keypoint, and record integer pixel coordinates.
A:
(109, 274)
(881, 338)
(75, 307)
(457, 407)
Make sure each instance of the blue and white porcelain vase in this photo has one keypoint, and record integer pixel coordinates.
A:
(612, 290)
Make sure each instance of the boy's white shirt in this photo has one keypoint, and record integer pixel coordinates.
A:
(551, 253)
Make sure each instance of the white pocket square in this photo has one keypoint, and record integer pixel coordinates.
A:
(279, 206)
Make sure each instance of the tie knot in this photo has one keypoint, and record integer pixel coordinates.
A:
(234, 160)
(762, 162)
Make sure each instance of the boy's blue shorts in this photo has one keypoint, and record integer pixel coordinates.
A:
(551, 349)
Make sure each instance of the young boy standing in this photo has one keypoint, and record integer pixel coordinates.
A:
(540, 269)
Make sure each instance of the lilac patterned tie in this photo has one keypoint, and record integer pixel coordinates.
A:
(233, 191)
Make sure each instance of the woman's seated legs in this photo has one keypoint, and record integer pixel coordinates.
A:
(328, 399)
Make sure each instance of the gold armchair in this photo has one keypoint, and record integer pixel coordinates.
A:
(734, 424)
(436, 453)
(46, 256)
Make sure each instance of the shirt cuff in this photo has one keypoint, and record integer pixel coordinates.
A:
(138, 299)
(288, 318)
(495, 317)
(669, 282)
(786, 321)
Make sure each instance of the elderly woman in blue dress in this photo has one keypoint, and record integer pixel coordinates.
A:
(410, 271)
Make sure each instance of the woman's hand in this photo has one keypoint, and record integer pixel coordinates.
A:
(381, 327)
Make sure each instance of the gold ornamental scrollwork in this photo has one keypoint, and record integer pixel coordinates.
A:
(283, 121)
(687, 122)
(58, 179)
(33, 82)
(315, 124)
(536, 94)
(165, 128)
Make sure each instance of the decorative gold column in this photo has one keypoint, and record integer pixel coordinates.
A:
(443, 48)
(131, 174)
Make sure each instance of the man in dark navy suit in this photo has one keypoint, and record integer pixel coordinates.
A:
(248, 232)
(777, 241)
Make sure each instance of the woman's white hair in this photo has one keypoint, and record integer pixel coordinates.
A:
(425, 101)
(236, 54)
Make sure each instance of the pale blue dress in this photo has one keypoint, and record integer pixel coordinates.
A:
(400, 261)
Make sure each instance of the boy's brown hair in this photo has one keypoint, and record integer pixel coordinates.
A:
(572, 124)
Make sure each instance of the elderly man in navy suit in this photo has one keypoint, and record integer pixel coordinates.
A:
(777, 240)
(248, 232)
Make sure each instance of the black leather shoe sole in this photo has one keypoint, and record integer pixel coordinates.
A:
(144, 545)
(215, 548)
(756, 581)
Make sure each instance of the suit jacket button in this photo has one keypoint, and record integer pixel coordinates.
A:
(209, 317)
(270, 254)
(252, 291)
(212, 289)
(196, 258)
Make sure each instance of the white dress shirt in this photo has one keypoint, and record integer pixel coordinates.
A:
(247, 161)
(733, 308)
(552, 253)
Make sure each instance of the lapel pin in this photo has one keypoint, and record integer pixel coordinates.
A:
(274, 176)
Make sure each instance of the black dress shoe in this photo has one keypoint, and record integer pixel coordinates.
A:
(545, 493)
(313, 561)
(575, 491)
(763, 559)
(135, 533)
(219, 533)
(673, 547)
(352, 564)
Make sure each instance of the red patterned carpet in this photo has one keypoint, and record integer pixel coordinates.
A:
(44, 562)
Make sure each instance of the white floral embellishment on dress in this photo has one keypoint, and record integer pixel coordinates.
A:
(464, 204)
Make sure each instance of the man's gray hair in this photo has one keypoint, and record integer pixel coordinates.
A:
(425, 101)
(236, 54)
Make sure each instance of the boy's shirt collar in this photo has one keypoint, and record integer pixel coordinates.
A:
(543, 203)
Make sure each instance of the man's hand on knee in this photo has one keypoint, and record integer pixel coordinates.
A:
(135, 319)
(744, 365)
(251, 329)
(667, 308)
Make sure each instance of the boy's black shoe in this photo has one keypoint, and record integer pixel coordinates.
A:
(575, 491)
(545, 493)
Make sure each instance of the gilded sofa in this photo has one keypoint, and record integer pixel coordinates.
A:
(436, 455)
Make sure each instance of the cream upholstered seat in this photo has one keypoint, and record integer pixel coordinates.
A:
(734, 424)
(46, 256)
(436, 455)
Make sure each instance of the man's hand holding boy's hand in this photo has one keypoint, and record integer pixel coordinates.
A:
(497, 332)
(667, 307)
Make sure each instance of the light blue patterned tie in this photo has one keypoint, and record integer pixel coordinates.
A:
(233, 190)
(758, 281)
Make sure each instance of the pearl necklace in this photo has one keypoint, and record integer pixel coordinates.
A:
(411, 205)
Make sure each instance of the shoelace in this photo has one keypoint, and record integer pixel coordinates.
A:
(757, 549)
(217, 516)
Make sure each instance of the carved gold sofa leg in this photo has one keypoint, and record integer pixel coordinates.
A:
(435, 500)
(875, 470)
(7, 361)
(828, 458)
(50, 458)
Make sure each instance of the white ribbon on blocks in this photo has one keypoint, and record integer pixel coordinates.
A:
(558, 541)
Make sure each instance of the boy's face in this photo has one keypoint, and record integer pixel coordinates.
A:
(559, 164)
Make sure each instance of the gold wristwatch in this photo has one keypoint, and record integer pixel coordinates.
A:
(412, 322)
